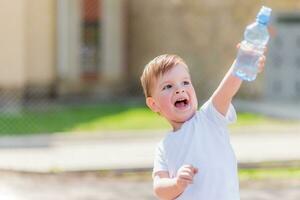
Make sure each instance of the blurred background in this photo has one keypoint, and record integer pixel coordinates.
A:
(73, 121)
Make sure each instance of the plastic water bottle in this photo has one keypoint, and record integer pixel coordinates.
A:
(256, 37)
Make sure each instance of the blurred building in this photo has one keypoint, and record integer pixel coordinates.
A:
(99, 47)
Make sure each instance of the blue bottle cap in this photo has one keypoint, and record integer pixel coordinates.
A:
(264, 15)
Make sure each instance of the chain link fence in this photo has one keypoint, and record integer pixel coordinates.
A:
(39, 113)
(38, 109)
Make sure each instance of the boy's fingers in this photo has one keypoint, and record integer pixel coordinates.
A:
(186, 178)
(261, 64)
(186, 175)
(189, 169)
(262, 57)
(265, 48)
(187, 166)
(262, 60)
(185, 182)
(195, 170)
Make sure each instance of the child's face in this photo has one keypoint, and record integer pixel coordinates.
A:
(173, 96)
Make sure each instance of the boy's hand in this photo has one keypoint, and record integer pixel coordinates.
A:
(229, 86)
(185, 176)
(261, 61)
(261, 64)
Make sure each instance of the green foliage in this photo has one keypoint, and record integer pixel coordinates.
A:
(101, 117)
(80, 118)
(134, 118)
(244, 174)
(254, 119)
(280, 173)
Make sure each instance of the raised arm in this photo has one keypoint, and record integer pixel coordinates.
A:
(223, 95)
(228, 87)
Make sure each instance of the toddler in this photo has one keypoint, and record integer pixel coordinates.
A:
(195, 160)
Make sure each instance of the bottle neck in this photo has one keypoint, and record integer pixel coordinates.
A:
(261, 22)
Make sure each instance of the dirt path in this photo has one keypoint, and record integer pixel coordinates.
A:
(93, 186)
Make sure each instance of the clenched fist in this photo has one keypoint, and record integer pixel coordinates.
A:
(185, 176)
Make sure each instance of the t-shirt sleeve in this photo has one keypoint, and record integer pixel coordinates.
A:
(213, 114)
(159, 159)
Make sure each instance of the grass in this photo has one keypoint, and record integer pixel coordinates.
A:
(137, 118)
(244, 174)
(80, 118)
(280, 173)
(100, 118)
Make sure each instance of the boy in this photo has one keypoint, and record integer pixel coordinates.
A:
(195, 161)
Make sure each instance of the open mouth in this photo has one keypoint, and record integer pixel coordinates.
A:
(181, 103)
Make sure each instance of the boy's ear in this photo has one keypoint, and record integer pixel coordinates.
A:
(152, 104)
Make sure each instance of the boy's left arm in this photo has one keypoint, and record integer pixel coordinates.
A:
(229, 86)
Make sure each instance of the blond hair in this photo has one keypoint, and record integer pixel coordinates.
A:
(157, 67)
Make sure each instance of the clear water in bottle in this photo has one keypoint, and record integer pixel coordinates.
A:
(247, 62)
(252, 47)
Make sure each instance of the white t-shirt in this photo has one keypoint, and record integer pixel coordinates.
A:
(203, 142)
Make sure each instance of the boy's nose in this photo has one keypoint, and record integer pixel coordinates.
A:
(180, 90)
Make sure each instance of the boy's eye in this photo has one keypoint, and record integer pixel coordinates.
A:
(167, 87)
(186, 82)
